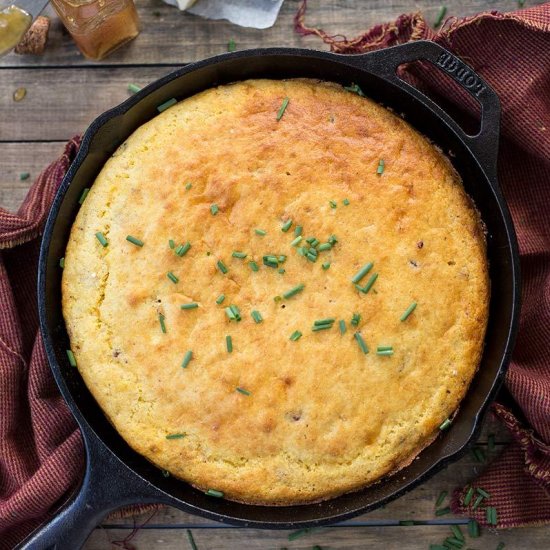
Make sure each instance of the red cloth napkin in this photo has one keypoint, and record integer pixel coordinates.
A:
(41, 454)
(512, 52)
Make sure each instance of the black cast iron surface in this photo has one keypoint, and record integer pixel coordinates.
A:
(115, 475)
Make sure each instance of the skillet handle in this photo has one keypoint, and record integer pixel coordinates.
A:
(483, 145)
(108, 484)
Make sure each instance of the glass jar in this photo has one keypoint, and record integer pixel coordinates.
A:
(98, 26)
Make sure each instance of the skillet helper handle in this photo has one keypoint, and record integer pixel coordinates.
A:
(484, 145)
(108, 484)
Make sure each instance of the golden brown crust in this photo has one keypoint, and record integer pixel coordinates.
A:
(322, 418)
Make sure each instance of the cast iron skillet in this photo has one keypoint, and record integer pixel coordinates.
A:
(115, 475)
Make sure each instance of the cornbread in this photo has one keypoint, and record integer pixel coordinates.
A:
(298, 368)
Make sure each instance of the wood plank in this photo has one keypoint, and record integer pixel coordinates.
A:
(63, 102)
(175, 37)
(404, 538)
(17, 158)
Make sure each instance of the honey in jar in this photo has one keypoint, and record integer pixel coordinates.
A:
(98, 26)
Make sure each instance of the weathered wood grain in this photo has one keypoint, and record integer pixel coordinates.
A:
(63, 102)
(339, 538)
(18, 158)
(171, 36)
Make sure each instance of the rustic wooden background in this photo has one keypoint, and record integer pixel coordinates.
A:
(65, 92)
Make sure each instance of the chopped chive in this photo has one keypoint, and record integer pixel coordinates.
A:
(443, 511)
(477, 502)
(271, 261)
(260, 232)
(166, 105)
(314, 242)
(186, 358)
(361, 273)
(281, 270)
(384, 352)
(491, 515)
(313, 252)
(214, 209)
(192, 540)
(243, 391)
(311, 257)
(165, 473)
(342, 325)
(231, 46)
(440, 499)
(101, 238)
(361, 342)
(190, 305)
(302, 251)
(298, 230)
(182, 249)
(473, 528)
(171, 243)
(214, 493)
(324, 246)
(468, 496)
(345, 202)
(222, 267)
(332, 204)
(355, 319)
(240, 255)
(326, 265)
(220, 299)
(457, 532)
(162, 324)
(229, 343)
(445, 424)
(483, 493)
(282, 109)
(70, 356)
(172, 277)
(83, 195)
(296, 335)
(231, 314)
(133, 88)
(257, 316)
(381, 166)
(176, 436)
(253, 266)
(296, 241)
(491, 442)
(440, 16)
(188, 185)
(365, 289)
(25, 176)
(62, 262)
(286, 226)
(317, 328)
(500, 546)
(327, 321)
(332, 240)
(452, 543)
(134, 240)
(384, 348)
(293, 291)
(408, 311)
(355, 89)
(478, 455)
(282, 259)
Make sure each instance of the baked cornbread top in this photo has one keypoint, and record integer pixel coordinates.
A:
(236, 401)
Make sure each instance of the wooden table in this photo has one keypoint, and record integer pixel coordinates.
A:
(65, 92)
